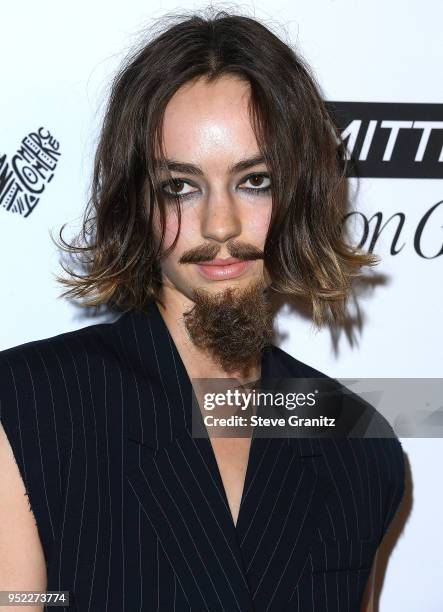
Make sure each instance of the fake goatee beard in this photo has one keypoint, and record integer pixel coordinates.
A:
(233, 325)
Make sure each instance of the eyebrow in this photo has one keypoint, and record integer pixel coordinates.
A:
(173, 165)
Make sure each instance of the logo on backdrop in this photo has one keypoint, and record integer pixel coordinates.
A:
(394, 140)
(385, 140)
(25, 177)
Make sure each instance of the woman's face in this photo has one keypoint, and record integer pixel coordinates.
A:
(207, 126)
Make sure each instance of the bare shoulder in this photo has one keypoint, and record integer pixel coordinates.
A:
(22, 563)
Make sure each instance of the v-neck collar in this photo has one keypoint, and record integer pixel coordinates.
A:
(178, 483)
(161, 363)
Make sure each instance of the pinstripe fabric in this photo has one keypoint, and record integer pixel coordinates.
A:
(131, 510)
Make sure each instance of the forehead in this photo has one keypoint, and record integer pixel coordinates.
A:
(209, 122)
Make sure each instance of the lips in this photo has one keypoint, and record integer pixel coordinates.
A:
(221, 269)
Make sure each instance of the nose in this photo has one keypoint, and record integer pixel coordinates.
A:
(220, 219)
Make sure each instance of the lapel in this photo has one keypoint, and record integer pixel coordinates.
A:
(255, 564)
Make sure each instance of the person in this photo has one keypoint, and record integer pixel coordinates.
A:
(218, 187)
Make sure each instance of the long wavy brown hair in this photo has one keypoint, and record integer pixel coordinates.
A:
(306, 252)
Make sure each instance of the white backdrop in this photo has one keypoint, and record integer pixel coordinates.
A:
(57, 61)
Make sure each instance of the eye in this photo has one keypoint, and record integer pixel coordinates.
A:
(174, 188)
(261, 182)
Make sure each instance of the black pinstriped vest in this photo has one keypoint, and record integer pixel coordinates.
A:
(131, 509)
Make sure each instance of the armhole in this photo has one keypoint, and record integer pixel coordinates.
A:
(27, 473)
